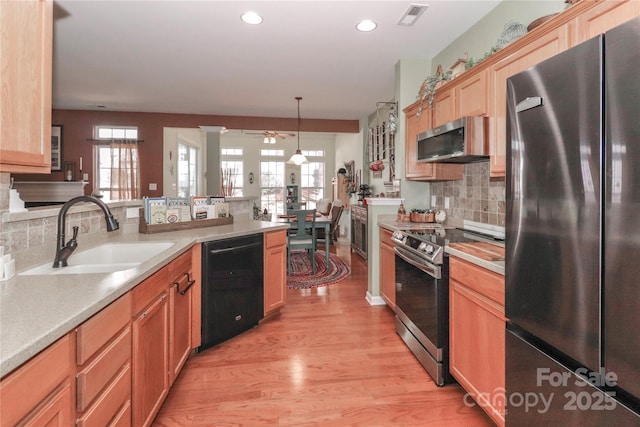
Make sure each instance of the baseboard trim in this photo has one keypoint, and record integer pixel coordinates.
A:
(377, 300)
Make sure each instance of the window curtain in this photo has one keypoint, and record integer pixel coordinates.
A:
(125, 171)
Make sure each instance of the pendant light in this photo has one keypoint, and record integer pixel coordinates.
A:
(298, 159)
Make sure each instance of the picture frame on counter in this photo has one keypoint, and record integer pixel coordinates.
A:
(56, 147)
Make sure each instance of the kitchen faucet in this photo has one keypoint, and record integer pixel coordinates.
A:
(63, 251)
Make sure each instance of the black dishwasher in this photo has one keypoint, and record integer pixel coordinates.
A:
(232, 287)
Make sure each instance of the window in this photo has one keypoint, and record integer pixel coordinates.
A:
(272, 186)
(273, 153)
(312, 178)
(232, 167)
(117, 171)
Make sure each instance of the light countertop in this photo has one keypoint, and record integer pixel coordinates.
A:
(389, 222)
(35, 311)
(495, 266)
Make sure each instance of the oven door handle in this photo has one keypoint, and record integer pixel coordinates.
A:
(427, 267)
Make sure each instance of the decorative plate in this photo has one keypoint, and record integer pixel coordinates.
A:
(441, 216)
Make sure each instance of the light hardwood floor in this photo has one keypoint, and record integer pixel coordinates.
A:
(329, 359)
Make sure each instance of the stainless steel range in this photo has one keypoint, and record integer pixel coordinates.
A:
(422, 290)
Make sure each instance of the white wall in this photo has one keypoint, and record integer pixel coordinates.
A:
(348, 147)
(171, 136)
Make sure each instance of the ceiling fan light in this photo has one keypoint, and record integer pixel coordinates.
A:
(266, 140)
(272, 140)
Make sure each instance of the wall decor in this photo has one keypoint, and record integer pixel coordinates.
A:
(250, 177)
(56, 147)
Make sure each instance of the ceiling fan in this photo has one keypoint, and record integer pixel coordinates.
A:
(270, 137)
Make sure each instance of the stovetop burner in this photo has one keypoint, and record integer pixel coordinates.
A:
(427, 243)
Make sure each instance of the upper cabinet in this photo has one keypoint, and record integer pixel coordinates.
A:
(414, 124)
(601, 18)
(444, 107)
(472, 94)
(25, 84)
(481, 91)
(535, 51)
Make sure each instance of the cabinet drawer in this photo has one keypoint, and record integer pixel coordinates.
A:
(97, 374)
(93, 334)
(24, 389)
(123, 418)
(109, 404)
(385, 236)
(276, 238)
(179, 266)
(146, 292)
(481, 280)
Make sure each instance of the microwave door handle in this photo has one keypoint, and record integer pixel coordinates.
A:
(426, 267)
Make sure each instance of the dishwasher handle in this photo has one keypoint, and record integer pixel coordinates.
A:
(234, 249)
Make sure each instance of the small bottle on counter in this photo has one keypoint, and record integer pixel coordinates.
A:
(402, 213)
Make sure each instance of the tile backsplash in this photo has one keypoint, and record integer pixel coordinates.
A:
(475, 197)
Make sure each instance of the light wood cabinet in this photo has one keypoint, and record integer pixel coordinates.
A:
(180, 314)
(25, 79)
(103, 357)
(601, 18)
(275, 271)
(477, 334)
(162, 332)
(40, 392)
(150, 359)
(472, 94)
(387, 269)
(444, 107)
(123, 367)
(537, 50)
(414, 124)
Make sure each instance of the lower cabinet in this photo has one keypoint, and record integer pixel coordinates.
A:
(150, 359)
(103, 360)
(387, 268)
(180, 313)
(477, 334)
(40, 392)
(275, 271)
(161, 335)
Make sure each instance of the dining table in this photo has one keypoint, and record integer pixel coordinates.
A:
(322, 221)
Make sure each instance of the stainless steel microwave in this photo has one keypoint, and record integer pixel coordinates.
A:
(461, 141)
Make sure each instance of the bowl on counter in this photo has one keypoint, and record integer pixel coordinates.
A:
(422, 216)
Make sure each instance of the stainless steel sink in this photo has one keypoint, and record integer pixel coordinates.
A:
(107, 258)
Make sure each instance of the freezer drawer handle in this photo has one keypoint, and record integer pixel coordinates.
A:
(528, 103)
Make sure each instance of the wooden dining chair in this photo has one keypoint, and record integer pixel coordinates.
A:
(303, 236)
(336, 213)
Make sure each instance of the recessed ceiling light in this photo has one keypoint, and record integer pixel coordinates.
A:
(251, 18)
(366, 25)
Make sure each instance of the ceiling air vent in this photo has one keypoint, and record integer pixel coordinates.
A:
(412, 14)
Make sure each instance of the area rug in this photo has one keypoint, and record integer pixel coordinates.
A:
(300, 276)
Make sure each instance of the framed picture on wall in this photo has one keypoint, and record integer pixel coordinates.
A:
(56, 147)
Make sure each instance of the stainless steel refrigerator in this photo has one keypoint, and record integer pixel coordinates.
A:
(573, 236)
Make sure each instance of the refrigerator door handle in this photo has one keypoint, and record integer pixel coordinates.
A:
(528, 103)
